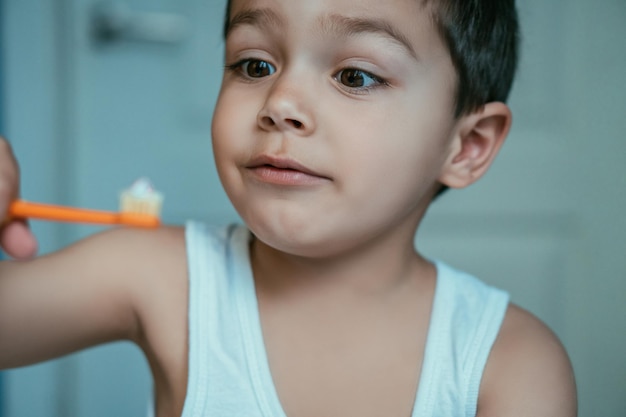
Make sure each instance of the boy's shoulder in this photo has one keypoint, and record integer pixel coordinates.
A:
(139, 260)
(126, 253)
(153, 245)
(143, 260)
(134, 280)
(137, 247)
(150, 267)
(528, 371)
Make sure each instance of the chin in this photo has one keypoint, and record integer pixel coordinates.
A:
(306, 242)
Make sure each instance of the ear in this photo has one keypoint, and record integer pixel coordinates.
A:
(476, 142)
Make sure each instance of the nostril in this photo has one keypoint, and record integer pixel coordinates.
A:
(295, 123)
(268, 121)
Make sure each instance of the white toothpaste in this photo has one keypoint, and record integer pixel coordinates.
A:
(141, 197)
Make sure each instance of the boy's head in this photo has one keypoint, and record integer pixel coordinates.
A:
(482, 37)
(338, 120)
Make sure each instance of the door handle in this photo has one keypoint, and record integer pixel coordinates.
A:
(115, 21)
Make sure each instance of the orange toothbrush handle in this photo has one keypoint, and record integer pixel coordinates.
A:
(25, 209)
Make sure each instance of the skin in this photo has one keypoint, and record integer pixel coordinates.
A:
(343, 134)
(15, 236)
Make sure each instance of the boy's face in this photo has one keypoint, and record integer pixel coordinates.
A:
(334, 119)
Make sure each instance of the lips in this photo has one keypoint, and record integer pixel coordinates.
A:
(283, 171)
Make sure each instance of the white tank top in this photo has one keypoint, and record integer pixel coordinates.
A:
(229, 373)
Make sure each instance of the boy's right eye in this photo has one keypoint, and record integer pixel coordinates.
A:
(253, 68)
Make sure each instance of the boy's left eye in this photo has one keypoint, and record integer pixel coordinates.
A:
(356, 78)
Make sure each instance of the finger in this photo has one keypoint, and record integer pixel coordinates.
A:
(17, 240)
(15, 237)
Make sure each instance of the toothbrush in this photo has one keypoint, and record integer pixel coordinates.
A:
(25, 209)
(140, 206)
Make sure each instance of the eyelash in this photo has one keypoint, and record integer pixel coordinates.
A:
(241, 68)
(376, 81)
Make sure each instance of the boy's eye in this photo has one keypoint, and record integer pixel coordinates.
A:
(255, 68)
(355, 78)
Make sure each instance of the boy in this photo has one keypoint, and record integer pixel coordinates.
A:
(336, 125)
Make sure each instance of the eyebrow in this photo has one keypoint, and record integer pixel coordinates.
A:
(335, 24)
(264, 18)
(344, 26)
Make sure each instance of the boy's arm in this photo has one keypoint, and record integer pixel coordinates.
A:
(122, 284)
(528, 372)
(111, 286)
(59, 303)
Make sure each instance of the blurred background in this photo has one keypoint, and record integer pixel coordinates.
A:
(96, 93)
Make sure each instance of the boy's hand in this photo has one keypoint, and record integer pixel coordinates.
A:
(16, 239)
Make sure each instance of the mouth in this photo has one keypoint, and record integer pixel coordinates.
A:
(283, 171)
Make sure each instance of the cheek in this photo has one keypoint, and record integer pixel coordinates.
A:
(227, 118)
(219, 139)
(227, 150)
(399, 141)
(233, 120)
(396, 156)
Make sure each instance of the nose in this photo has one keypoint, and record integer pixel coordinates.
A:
(287, 109)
